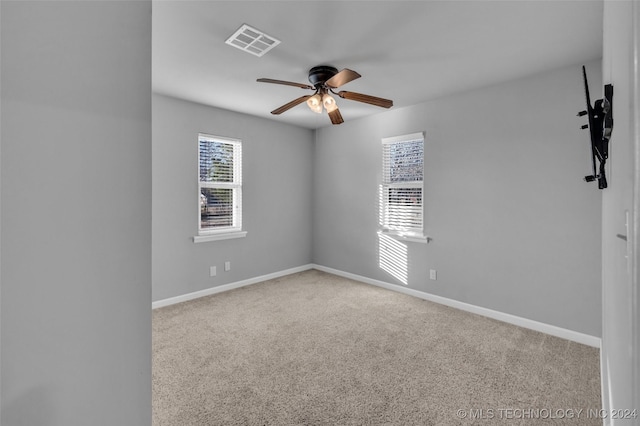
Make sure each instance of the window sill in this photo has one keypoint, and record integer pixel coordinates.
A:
(424, 239)
(217, 237)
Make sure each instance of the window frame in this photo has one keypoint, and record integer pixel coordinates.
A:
(414, 233)
(235, 229)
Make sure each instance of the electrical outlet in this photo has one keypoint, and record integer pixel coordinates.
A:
(212, 271)
(433, 275)
(227, 266)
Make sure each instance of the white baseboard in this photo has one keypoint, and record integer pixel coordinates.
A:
(552, 330)
(227, 287)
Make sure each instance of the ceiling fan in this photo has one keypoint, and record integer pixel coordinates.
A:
(323, 79)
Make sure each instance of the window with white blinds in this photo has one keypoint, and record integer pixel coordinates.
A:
(219, 184)
(401, 206)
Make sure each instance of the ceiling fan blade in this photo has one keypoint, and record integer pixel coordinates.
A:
(287, 83)
(368, 99)
(336, 117)
(290, 105)
(343, 77)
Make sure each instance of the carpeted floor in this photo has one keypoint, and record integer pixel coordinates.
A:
(316, 349)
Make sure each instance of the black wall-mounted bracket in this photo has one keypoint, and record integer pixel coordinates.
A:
(600, 127)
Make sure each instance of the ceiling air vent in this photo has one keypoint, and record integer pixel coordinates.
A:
(252, 41)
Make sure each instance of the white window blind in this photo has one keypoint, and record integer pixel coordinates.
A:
(219, 184)
(402, 183)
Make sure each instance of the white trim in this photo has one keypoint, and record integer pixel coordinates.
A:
(552, 330)
(563, 333)
(634, 235)
(395, 216)
(235, 186)
(220, 236)
(424, 239)
(227, 287)
(404, 138)
(215, 138)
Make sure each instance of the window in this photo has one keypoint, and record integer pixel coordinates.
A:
(220, 188)
(401, 207)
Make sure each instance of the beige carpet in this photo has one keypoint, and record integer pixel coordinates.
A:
(317, 349)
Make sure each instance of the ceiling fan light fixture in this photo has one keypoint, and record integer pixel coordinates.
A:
(329, 103)
(315, 103)
(325, 78)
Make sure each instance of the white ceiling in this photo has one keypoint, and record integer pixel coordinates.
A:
(407, 51)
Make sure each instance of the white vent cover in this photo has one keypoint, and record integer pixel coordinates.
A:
(252, 40)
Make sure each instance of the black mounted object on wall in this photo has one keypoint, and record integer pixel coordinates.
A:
(600, 127)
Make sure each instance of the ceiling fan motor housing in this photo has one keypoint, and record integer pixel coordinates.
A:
(320, 74)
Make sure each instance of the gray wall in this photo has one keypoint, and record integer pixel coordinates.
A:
(76, 213)
(277, 171)
(503, 193)
(514, 227)
(621, 298)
